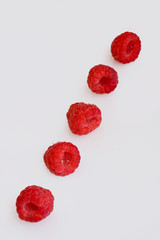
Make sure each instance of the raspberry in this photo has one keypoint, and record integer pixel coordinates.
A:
(83, 118)
(126, 47)
(34, 203)
(62, 158)
(102, 79)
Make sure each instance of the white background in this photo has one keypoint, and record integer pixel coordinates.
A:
(46, 50)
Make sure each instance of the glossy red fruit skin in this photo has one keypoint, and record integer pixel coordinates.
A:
(34, 203)
(102, 79)
(83, 118)
(62, 158)
(126, 47)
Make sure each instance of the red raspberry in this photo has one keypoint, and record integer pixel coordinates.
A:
(34, 203)
(83, 118)
(62, 158)
(126, 47)
(102, 79)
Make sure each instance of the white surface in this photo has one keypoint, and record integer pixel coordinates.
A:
(46, 50)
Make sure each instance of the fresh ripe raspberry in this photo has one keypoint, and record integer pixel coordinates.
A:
(34, 203)
(102, 79)
(83, 118)
(126, 47)
(62, 158)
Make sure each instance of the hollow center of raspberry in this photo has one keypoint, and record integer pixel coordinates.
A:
(66, 158)
(89, 120)
(130, 47)
(104, 81)
(31, 207)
